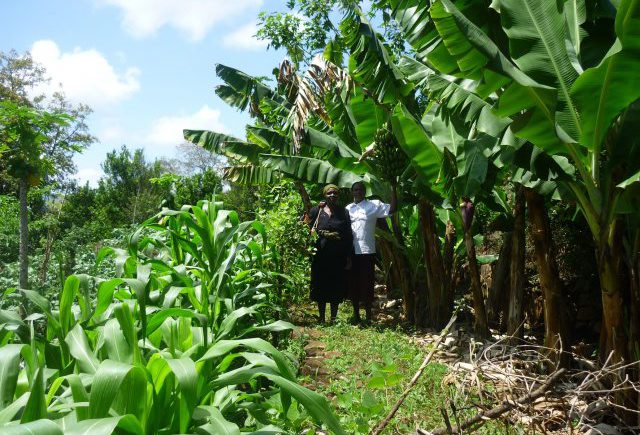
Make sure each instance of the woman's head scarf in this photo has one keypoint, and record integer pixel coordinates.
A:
(329, 187)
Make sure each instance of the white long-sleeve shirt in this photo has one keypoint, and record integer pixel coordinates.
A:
(363, 223)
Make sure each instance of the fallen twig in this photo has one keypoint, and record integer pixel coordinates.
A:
(424, 364)
(497, 411)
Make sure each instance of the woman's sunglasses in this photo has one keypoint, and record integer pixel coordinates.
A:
(332, 193)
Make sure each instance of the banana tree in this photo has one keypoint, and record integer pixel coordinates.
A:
(552, 101)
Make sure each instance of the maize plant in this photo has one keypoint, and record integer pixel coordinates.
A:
(175, 342)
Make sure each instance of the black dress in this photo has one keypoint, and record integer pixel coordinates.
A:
(333, 246)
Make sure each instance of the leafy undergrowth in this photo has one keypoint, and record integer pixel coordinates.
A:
(364, 370)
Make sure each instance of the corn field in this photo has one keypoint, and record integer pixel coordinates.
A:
(177, 341)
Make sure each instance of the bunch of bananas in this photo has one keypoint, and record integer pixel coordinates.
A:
(388, 157)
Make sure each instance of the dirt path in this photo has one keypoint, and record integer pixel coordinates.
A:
(313, 366)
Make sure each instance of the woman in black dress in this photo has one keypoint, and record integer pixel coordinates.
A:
(334, 248)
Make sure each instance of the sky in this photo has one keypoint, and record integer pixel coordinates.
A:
(145, 67)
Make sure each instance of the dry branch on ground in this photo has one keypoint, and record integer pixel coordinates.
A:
(500, 380)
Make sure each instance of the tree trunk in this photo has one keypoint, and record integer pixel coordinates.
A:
(466, 213)
(395, 226)
(24, 233)
(481, 328)
(611, 270)
(449, 265)
(436, 282)
(499, 290)
(634, 330)
(556, 321)
(400, 271)
(306, 201)
(426, 300)
(616, 311)
(515, 325)
(135, 205)
(391, 280)
(449, 250)
(44, 269)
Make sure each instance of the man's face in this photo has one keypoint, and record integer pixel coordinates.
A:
(358, 193)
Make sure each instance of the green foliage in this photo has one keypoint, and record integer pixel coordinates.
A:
(126, 194)
(9, 230)
(58, 128)
(301, 37)
(281, 209)
(25, 131)
(183, 190)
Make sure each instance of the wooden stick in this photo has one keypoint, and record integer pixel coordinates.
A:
(424, 364)
(497, 411)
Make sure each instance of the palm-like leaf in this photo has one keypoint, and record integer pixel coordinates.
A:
(312, 170)
(207, 139)
(241, 90)
(470, 60)
(537, 34)
(414, 18)
(601, 93)
(250, 174)
(370, 64)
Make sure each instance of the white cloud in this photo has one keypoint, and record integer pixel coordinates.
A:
(192, 17)
(167, 130)
(112, 134)
(86, 76)
(244, 38)
(91, 175)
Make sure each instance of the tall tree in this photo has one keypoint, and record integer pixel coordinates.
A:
(125, 193)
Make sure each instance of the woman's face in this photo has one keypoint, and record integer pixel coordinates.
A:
(332, 196)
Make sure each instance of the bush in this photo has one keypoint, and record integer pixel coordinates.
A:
(281, 211)
(9, 238)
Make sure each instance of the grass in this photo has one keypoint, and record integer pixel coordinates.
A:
(364, 370)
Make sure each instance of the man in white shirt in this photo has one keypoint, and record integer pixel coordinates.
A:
(364, 214)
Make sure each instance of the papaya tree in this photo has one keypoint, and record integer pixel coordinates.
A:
(24, 131)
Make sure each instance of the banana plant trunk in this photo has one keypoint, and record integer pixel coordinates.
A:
(436, 283)
(616, 312)
(480, 314)
(611, 268)
(449, 251)
(634, 330)
(515, 327)
(556, 316)
(499, 290)
(399, 271)
(449, 266)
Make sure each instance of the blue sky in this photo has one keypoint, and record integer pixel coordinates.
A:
(146, 67)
